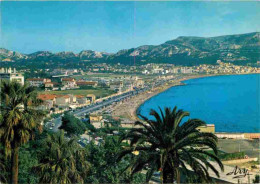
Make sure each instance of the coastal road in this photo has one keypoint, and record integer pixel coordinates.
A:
(94, 107)
(99, 105)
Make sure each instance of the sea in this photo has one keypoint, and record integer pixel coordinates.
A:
(231, 102)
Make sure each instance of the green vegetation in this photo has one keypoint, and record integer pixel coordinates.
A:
(72, 125)
(229, 156)
(232, 156)
(55, 115)
(32, 74)
(27, 159)
(121, 155)
(257, 179)
(107, 168)
(98, 92)
(63, 161)
(18, 120)
(163, 144)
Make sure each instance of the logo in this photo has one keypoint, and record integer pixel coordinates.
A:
(239, 173)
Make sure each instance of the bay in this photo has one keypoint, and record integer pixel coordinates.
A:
(231, 102)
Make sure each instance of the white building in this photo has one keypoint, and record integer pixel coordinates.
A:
(69, 82)
(186, 70)
(37, 82)
(11, 75)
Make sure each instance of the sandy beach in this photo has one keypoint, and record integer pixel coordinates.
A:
(127, 109)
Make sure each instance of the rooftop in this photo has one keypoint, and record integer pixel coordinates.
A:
(68, 79)
(46, 96)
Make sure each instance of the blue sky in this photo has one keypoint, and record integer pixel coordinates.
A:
(111, 26)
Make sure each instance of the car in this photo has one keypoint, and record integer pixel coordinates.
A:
(51, 128)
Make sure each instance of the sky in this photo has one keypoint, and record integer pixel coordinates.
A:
(28, 27)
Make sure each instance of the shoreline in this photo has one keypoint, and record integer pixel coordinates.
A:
(129, 109)
(179, 83)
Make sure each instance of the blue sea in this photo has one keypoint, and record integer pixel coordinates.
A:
(231, 102)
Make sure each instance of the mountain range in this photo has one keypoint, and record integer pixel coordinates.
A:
(184, 50)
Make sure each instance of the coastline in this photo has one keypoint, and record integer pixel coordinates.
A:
(128, 109)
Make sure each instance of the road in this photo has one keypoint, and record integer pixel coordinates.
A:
(94, 107)
(99, 105)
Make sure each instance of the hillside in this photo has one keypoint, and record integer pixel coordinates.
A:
(184, 50)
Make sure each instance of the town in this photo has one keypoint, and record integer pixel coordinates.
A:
(97, 89)
(66, 89)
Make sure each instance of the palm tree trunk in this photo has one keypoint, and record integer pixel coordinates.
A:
(15, 155)
(178, 176)
(168, 175)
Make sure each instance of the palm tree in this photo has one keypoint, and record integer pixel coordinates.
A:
(19, 119)
(164, 143)
(63, 162)
(3, 170)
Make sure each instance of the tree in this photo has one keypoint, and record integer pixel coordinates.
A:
(257, 179)
(105, 168)
(19, 119)
(3, 166)
(166, 144)
(63, 161)
(27, 160)
(72, 125)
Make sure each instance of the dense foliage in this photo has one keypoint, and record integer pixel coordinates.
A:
(62, 161)
(165, 144)
(107, 169)
(72, 125)
(51, 158)
(19, 120)
(232, 156)
(162, 144)
(256, 179)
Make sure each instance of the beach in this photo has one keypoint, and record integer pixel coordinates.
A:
(127, 109)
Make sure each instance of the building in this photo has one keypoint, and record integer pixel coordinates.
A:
(11, 75)
(95, 117)
(87, 83)
(210, 128)
(96, 120)
(116, 86)
(51, 85)
(48, 84)
(98, 124)
(49, 101)
(38, 82)
(230, 135)
(139, 83)
(82, 100)
(73, 99)
(69, 82)
(91, 98)
(186, 70)
(252, 135)
(62, 100)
